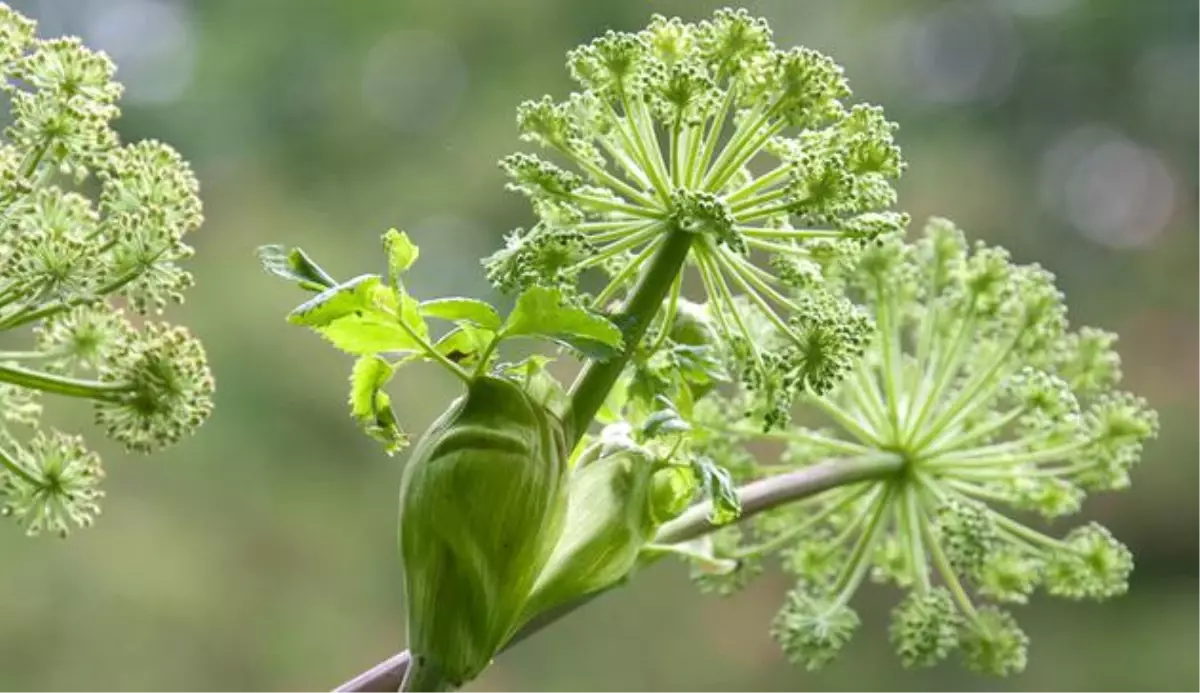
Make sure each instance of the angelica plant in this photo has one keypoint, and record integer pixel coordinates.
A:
(702, 154)
(90, 228)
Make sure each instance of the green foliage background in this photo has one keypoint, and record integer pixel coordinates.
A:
(261, 553)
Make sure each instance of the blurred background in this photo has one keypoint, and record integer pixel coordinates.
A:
(260, 554)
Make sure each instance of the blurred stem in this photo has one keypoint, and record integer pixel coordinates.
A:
(16, 468)
(59, 385)
(756, 497)
(28, 314)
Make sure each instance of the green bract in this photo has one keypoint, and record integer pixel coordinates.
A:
(615, 505)
(89, 226)
(481, 508)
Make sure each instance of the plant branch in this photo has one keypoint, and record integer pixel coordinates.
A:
(597, 378)
(756, 497)
(59, 384)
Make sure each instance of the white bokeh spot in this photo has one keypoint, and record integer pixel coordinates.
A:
(1109, 188)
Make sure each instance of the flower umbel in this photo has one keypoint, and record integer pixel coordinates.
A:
(973, 400)
(73, 254)
(50, 485)
(708, 129)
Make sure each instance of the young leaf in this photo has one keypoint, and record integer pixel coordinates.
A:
(354, 296)
(664, 421)
(294, 265)
(541, 311)
(464, 344)
(537, 382)
(612, 410)
(401, 254)
(362, 316)
(464, 309)
(368, 333)
(720, 489)
(371, 406)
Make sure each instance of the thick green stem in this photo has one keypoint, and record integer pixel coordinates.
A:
(598, 377)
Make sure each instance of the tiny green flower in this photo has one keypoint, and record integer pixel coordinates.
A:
(160, 389)
(51, 484)
(811, 630)
(925, 627)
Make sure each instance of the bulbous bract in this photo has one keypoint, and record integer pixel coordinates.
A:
(481, 506)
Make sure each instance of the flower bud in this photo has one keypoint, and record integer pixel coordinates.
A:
(481, 507)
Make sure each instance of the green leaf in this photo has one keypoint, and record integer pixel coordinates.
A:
(362, 316)
(463, 309)
(720, 489)
(354, 296)
(543, 312)
(664, 421)
(537, 382)
(614, 405)
(294, 265)
(464, 345)
(401, 253)
(371, 333)
(371, 406)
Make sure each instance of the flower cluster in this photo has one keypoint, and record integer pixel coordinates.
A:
(89, 227)
(975, 400)
(709, 130)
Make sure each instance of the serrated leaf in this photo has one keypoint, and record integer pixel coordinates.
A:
(543, 312)
(664, 422)
(721, 491)
(463, 309)
(357, 295)
(370, 405)
(370, 333)
(401, 254)
(294, 265)
(362, 316)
